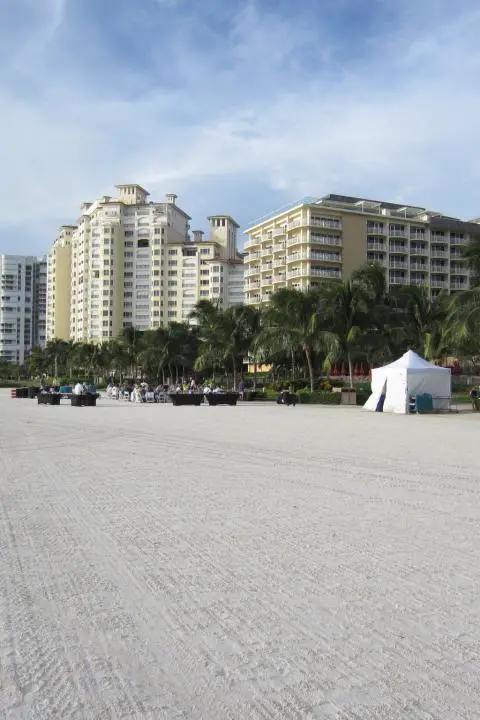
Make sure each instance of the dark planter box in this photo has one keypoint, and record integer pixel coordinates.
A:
(222, 398)
(33, 392)
(22, 392)
(186, 399)
(49, 399)
(250, 395)
(83, 400)
(287, 399)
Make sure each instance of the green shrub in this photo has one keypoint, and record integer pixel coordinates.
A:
(321, 397)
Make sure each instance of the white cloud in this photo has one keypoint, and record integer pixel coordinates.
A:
(396, 118)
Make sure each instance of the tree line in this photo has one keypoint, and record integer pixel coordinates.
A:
(298, 334)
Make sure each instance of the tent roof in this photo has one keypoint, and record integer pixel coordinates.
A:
(412, 361)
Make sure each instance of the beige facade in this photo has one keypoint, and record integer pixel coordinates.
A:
(132, 262)
(328, 238)
(201, 269)
(58, 285)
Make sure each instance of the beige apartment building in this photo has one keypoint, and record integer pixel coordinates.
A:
(59, 261)
(327, 238)
(131, 262)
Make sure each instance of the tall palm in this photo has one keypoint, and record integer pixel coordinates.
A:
(347, 321)
(462, 323)
(131, 341)
(471, 253)
(291, 322)
(421, 319)
(224, 337)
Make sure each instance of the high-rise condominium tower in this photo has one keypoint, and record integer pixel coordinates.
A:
(131, 262)
(23, 284)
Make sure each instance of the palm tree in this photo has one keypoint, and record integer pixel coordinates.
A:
(347, 321)
(224, 337)
(421, 320)
(292, 321)
(130, 341)
(462, 323)
(57, 353)
(471, 253)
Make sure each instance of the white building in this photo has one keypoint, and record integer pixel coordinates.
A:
(23, 283)
(132, 262)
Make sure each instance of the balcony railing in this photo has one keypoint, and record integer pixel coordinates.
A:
(297, 257)
(325, 257)
(326, 273)
(266, 251)
(376, 230)
(439, 283)
(397, 280)
(295, 273)
(279, 278)
(417, 237)
(278, 232)
(293, 225)
(438, 253)
(458, 240)
(419, 266)
(252, 271)
(296, 240)
(398, 264)
(265, 267)
(251, 257)
(455, 285)
(418, 250)
(394, 248)
(402, 233)
(435, 268)
(253, 242)
(372, 245)
(418, 281)
(324, 223)
(279, 263)
(331, 240)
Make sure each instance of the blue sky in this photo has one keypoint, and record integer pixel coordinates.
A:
(239, 107)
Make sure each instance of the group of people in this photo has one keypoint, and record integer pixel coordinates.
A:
(137, 392)
(143, 392)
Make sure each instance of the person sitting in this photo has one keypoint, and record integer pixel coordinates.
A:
(78, 389)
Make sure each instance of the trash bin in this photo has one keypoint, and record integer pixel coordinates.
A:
(349, 396)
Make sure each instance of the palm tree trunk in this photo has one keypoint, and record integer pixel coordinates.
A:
(308, 355)
(292, 354)
(350, 369)
(254, 373)
(234, 374)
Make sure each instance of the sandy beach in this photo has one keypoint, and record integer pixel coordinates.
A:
(238, 563)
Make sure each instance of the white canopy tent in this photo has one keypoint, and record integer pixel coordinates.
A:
(408, 376)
